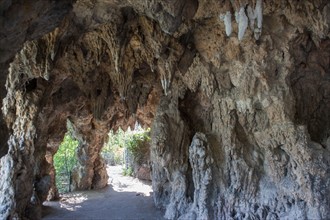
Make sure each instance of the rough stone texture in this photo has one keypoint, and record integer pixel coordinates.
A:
(170, 176)
(20, 22)
(201, 162)
(255, 97)
(20, 110)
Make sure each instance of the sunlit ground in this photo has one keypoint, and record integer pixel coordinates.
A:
(124, 198)
(72, 201)
(122, 183)
(119, 183)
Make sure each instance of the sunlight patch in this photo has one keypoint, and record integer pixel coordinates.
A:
(122, 183)
(72, 202)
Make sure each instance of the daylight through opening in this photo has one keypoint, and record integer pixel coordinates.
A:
(127, 155)
(65, 160)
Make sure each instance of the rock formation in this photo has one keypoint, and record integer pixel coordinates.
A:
(237, 94)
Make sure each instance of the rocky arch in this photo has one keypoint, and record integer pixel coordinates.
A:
(239, 109)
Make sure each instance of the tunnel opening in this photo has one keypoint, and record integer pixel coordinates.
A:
(127, 153)
(65, 160)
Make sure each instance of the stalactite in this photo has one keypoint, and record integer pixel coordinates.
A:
(249, 15)
(226, 18)
(165, 84)
(255, 18)
(242, 21)
(258, 12)
(165, 71)
(122, 77)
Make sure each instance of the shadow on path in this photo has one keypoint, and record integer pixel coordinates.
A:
(108, 203)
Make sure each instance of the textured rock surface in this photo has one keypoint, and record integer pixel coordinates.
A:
(237, 93)
(201, 162)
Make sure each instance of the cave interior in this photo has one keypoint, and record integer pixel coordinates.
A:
(237, 95)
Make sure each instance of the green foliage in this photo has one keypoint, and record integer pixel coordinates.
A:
(112, 151)
(117, 139)
(128, 171)
(120, 142)
(64, 161)
(136, 142)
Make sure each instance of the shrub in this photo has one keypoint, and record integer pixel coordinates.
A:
(137, 143)
(113, 150)
(129, 148)
(128, 171)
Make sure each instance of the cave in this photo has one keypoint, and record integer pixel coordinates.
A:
(236, 93)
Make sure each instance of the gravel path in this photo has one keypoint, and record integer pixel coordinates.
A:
(124, 198)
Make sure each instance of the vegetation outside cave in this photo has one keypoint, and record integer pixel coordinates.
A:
(130, 149)
(64, 161)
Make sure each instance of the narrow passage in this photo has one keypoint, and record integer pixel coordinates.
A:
(124, 198)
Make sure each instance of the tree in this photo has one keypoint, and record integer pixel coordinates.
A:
(64, 161)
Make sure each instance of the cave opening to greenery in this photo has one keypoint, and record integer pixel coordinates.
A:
(65, 160)
(129, 149)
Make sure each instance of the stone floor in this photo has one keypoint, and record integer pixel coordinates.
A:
(124, 198)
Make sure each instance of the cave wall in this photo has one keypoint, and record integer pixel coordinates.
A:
(25, 85)
(21, 22)
(237, 93)
(263, 108)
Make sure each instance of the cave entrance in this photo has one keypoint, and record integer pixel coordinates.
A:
(65, 160)
(129, 191)
(127, 155)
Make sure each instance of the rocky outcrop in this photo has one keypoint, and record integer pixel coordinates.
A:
(171, 180)
(237, 93)
(244, 96)
(201, 162)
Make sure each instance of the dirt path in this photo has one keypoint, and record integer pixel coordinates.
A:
(124, 198)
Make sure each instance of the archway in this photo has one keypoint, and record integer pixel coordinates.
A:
(125, 187)
(65, 160)
(131, 150)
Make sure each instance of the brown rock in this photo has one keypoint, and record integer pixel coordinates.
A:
(143, 173)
